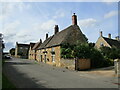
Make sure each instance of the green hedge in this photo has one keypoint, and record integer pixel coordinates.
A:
(86, 51)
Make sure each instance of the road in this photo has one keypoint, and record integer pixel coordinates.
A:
(26, 73)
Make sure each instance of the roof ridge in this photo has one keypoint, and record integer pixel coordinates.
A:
(111, 39)
(49, 40)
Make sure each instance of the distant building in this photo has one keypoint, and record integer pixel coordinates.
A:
(107, 41)
(49, 50)
(21, 50)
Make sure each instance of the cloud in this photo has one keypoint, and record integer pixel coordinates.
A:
(9, 8)
(59, 14)
(13, 34)
(110, 14)
(90, 22)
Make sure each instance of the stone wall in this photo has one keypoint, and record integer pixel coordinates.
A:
(68, 63)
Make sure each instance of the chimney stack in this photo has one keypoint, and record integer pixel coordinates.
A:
(109, 36)
(101, 34)
(117, 38)
(74, 19)
(56, 29)
(40, 40)
(46, 35)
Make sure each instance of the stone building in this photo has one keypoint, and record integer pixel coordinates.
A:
(21, 50)
(33, 50)
(30, 56)
(49, 51)
(107, 41)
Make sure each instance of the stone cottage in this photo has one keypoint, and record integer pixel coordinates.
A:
(21, 50)
(33, 49)
(30, 56)
(107, 41)
(49, 51)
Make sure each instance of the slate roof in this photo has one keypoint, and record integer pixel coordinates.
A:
(69, 35)
(112, 42)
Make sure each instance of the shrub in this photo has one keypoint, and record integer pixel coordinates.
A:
(110, 53)
(87, 51)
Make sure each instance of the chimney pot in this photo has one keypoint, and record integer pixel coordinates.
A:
(109, 35)
(56, 29)
(74, 19)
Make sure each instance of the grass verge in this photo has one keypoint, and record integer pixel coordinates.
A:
(6, 83)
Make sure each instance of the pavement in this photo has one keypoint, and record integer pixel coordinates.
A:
(24, 73)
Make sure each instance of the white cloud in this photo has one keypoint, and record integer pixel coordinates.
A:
(10, 29)
(12, 33)
(110, 14)
(90, 22)
(9, 8)
(59, 14)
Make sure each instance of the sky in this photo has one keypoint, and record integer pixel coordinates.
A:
(26, 22)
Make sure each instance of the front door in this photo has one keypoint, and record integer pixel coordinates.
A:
(45, 59)
(41, 58)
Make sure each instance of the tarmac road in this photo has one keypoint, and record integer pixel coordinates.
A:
(26, 73)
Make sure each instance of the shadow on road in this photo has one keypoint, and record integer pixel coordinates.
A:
(17, 63)
(20, 80)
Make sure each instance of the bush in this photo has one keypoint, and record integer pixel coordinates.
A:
(110, 53)
(67, 51)
(82, 51)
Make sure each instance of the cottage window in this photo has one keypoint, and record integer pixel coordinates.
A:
(53, 58)
(101, 44)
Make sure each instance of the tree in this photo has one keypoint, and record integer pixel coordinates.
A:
(110, 53)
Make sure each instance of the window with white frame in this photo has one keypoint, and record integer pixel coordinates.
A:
(53, 58)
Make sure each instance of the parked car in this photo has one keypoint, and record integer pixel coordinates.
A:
(7, 57)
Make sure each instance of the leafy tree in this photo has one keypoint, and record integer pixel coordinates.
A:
(82, 51)
(110, 53)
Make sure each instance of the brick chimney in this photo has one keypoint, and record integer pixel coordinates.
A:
(117, 38)
(101, 34)
(46, 35)
(109, 36)
(74, 19)
(56, 29)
